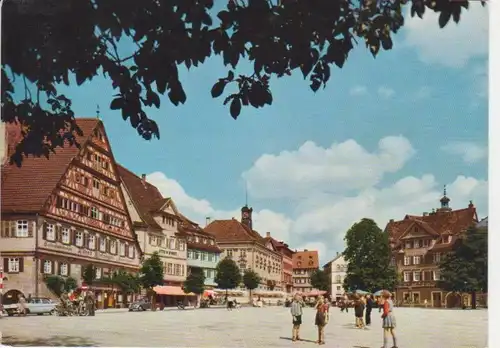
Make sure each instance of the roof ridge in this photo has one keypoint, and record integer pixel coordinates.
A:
(140, 178)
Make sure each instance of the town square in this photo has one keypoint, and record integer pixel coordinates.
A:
(246, 327)
(250, 173)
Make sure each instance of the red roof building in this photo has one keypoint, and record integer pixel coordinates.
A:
(249, 249)
(304, 263)
(65, 212)
(418, 244)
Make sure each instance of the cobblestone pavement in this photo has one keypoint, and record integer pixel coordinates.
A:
(245, 327)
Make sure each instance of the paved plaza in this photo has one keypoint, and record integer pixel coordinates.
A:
(245, 327)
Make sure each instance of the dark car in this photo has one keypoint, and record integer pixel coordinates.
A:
(139, 306)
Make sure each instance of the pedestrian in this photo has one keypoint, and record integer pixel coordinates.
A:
(90, 303)
(388, 320)
(22, 306)
(368, 312)
(296, 311)
(322, 309)
(359, 308)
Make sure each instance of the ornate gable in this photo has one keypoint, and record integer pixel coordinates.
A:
(418, 229)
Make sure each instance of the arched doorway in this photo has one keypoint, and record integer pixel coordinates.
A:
(453, 300)
(11, 297)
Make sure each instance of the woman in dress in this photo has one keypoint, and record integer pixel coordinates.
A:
(321, 318)
(388, 320)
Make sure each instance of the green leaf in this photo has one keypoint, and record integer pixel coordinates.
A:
(218, 88)
(444, 18)
(235, 108)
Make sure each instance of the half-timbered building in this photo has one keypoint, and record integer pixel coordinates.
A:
(65, 212)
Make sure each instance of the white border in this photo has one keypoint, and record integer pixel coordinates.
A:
(494, 173)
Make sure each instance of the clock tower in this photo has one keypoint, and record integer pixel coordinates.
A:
(246, 216)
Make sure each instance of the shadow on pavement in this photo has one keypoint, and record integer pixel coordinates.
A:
(301, 340)
(54, 341)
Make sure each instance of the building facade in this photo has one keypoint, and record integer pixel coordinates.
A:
(248, 249)
(202, 250)
(286, 253)
(64, 213)
(156, 223)
(304, 264)
(418, 244)
(336, 270)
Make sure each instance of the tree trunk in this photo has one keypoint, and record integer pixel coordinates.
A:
(153, 300)
(250, 294)
(473, 300)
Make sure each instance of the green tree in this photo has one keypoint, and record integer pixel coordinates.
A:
(151, 275)
(195, 282)
(320, 280)
(271, 284)
(89, 273)
(131, 44)
(58, 284)
(127, 282)
(368, 257)
(251, 280)
(227, 274)
(465, 268)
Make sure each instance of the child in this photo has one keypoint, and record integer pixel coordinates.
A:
(296, 311)
(359, 308)
(389, 320)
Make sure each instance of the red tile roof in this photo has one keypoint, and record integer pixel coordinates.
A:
(307, 259)
(188, 228)
(437, 224)
(26, 189)
(146, 197)
(233, 231)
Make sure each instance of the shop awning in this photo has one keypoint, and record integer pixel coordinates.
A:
(171, 291)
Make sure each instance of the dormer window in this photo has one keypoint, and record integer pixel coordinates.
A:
(448, 239)
(408, 245)
(416, 244)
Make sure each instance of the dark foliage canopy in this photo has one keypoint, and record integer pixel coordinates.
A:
(89, 274)
(195, 281)
(127, 282)
(151, 272)
(45, 43)
(368, 257)
(228, 274)
(251, 279)
(58, 284)
(320, 280)
(465, 269)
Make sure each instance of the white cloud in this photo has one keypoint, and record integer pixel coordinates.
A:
(423, 92)
(324, 215)
(385, 92)
(455, 44)
(358, 90)
(313, 170)
(469, 151)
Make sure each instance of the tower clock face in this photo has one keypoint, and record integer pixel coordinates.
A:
(245, 215)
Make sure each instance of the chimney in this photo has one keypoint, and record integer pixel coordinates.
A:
(305, 250)
(207, 221)
(425, 213)
(268, 234)
(391, 221)
(337, 253)
(143, 178)
(471, 205)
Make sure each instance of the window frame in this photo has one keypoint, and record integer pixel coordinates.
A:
(13, 265)
(47, 270)
(22, 228)
(66, 235)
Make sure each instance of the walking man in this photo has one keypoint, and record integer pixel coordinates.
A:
(368, 312)
(296, 311)
(90, 303)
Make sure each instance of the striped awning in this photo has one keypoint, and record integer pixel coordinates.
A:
(171, 291)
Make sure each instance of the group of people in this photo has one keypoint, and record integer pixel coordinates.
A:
(362, 305)
(81, 304)
(320, 320)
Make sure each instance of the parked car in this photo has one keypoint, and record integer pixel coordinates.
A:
(139, 306)
(34, 305)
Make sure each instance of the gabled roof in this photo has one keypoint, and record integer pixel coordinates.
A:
(453, 222)
(233, 231)
(26, 189)
(338, 256)
(307, 259)
(188, 228)
(145, 196)
(423, 226)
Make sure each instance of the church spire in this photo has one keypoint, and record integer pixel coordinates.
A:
(444, 201)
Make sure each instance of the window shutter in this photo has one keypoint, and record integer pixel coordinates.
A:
(69, 269)
(30, 228)
(4, 229)
(97, 243)
(58, 234)
(73, 237)
(41, 265)
(44, 232)
(126, 250)
(6, 264)
(108, 246)
(52, 268)
(21, 264)
(84, 240)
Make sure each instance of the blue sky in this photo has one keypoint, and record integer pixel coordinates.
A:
(429, 95)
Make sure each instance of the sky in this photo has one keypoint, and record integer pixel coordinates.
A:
(380, 141)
